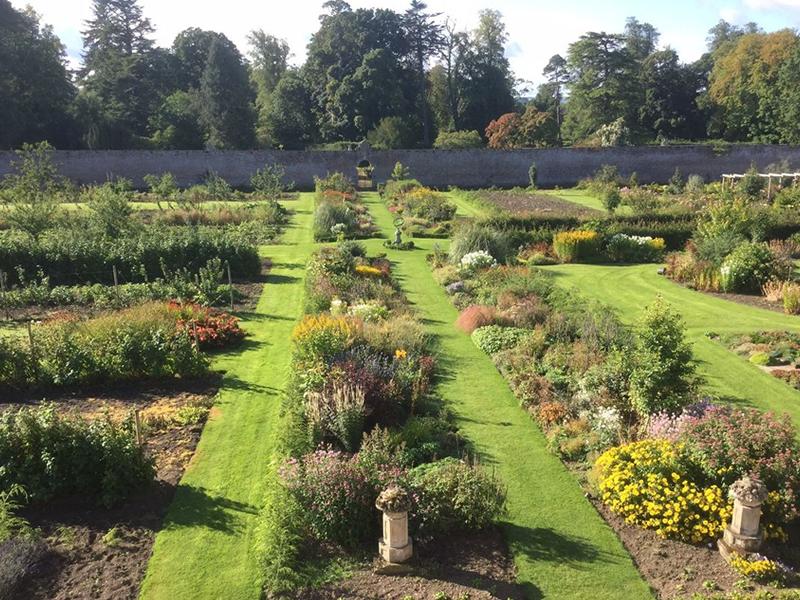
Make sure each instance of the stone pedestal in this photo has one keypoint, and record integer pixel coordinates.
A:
(744, 535)
(395, 546)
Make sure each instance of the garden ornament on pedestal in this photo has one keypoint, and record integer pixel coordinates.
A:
(744, 535)
(395, 545)
(398, 224)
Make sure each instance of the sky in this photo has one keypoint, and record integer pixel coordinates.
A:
(537, 29)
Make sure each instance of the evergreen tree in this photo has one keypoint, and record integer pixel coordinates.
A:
(225, 98)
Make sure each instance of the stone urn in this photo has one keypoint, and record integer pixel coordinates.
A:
(395, 545)
(744, 535)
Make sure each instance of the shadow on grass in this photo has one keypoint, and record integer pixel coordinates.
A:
(232, 382)
(196, 507)
(281, 279)
(543, 544)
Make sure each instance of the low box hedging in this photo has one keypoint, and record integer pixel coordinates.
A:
(55, 456)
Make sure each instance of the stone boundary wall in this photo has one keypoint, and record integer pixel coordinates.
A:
(438, 168)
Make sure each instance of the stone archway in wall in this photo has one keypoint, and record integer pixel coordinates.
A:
(364, 171)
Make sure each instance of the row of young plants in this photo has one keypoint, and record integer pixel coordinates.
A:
(624, 405)
(70, 256)
(207, 287)
(425, 212)
(149, 341)
(339, 214)
(363, 415)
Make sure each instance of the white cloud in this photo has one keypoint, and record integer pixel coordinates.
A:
(773, 4)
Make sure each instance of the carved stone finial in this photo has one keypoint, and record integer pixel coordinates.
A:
(393, 499)
(750, 491)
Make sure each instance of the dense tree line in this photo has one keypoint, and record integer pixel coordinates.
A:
(398, 79)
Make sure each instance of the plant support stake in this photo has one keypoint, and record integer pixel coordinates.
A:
(230, 283)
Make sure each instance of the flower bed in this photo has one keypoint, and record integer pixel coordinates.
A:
(622, 405)
(776, 351)
(339, 214)
(363, 417)
(426, 212)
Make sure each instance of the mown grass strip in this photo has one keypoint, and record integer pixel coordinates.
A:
(205, 547)
(561, 546)
(629, 289)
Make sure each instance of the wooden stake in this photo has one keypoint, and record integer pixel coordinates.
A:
(230, 283)
(137, 423)
(3, 288)
(114, 271)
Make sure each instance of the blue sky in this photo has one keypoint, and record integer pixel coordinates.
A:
(537, 29)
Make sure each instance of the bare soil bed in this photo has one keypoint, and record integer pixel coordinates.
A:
(98, 553)
(527, 204)
(676, 569)
(474, 566)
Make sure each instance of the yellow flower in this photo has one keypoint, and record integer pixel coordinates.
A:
(400, 354)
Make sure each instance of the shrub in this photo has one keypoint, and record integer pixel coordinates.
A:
(695, 186)
(747, 268)
(321, 336)
(458, 140)
(216, 187)
(494, 338)
(574, 246)
(611, 198)
(110, 209)
(791, 298)
(751, 184)
(424, 203)
(644, 483)
(337, 412)
(399, 331)
(33, 189)
(663, 376)
(533, 175)
(788, 197)
(51, 456)
(471, 237)
(214, 329)
(163, 187)
(268, 182)
(473, 262)
(634, 249)
(475, 316)
(725, 444)
(400, 171)
(327, 216)
(452, 495)
(335, 495)
(396, 189)
(391, 133)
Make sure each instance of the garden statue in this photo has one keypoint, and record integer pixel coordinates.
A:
(744, 534)
(395, 545)
(398, 224)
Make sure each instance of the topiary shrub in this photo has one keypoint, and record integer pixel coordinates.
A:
(494, 338)
(747, 268)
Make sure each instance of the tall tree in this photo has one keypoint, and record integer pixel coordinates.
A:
(226, 98)
(557, 76)
(35, 88)
(269, 58)
(669, 109)
(604, 84)
(486, 85)
(116, 48)
(424, 38)
(641, 39)
(289, 117)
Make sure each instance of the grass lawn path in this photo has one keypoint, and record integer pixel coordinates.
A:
(204, 549)
(629, 289)
(561, 546)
